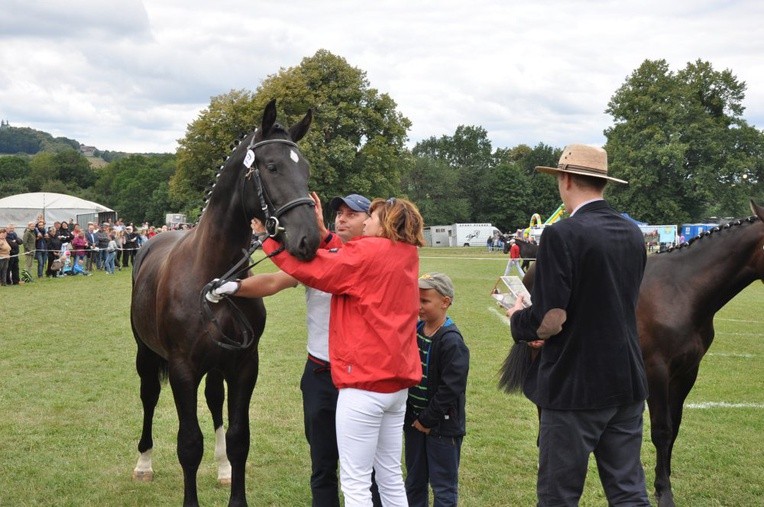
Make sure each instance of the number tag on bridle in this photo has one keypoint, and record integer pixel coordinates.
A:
(249, 159)
(293, 155)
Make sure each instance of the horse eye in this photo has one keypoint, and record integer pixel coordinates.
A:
(271, 167)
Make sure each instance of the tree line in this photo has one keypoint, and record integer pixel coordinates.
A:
(678, 137)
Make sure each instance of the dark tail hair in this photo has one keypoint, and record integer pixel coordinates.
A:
(515, 368)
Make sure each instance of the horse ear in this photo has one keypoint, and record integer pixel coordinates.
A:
(757, 210)
(269, 118)
(298, 131)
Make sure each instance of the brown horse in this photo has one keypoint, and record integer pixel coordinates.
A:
(265, 177)
(681, 291)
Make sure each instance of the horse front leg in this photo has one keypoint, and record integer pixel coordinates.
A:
(240, 388)
(214, 393)
(151, 369)
(190, 447)
(661, 432)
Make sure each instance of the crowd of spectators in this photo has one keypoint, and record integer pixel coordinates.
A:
(68, 248)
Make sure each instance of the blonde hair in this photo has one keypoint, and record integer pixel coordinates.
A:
(400, 220)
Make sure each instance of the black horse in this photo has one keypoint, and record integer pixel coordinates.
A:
(681, 291)
(528, 252)
(265, 177)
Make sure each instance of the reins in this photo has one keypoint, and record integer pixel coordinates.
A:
(248, 333)
(272, 228)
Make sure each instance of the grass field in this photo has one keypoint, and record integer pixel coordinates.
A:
(70, 413)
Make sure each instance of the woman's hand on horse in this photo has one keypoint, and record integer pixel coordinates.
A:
(322, 230)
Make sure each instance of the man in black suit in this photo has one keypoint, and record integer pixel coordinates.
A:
(589, 379)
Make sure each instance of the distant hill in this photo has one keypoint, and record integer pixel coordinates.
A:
(28, 141)
(18, 140)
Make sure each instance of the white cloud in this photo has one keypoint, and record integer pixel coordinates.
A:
(131, 75)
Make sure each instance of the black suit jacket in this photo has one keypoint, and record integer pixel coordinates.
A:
(591, 266)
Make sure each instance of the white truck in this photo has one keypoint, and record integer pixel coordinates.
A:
(472, 234)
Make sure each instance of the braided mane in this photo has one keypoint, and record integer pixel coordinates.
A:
(729, 225)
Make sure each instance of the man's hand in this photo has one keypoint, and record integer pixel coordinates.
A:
(225, 289)
(519, 305)
(322, 231)
(418, 426)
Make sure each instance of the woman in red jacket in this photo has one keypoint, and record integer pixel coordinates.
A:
(372, 341)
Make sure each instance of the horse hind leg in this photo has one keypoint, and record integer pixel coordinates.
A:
(152, 369)
(214, 393)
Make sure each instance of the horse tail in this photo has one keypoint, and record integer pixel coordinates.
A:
(515, 368)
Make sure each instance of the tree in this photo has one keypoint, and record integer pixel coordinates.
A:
(356, 142)
(431, 184)
(517, 191)
(681, 142)
(137, 187)
(468, 154)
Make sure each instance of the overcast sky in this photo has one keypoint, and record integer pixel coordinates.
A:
(131, 75)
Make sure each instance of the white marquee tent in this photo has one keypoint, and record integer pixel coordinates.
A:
(23, 208)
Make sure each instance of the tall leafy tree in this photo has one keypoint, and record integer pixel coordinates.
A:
(356, 142)
(516, 190)
(432, 184)
(680, 140)
(469, 154)
(137, 187)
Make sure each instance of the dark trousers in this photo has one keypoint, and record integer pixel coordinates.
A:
(13, 270)
(128, 255)
(568, 437)
(319, 403)
(433, 460)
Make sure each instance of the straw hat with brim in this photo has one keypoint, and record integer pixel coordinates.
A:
(582, 159)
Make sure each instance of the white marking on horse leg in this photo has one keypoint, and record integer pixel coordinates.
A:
(224, 466)
(143, 471)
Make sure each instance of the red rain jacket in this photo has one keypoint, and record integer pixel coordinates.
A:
(374, 309)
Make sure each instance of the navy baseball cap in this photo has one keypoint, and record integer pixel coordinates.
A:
(355, 202)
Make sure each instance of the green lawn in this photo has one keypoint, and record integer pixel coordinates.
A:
(70, 413)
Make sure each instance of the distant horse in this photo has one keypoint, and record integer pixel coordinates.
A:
(681, 291)
(528, 251)
(264, 177)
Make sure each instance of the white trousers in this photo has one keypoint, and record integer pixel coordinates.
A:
(370, 436)
(516, 263)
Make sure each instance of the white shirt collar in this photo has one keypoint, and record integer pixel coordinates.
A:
(585, 203)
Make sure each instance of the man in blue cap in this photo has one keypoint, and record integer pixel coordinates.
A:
(319, 396)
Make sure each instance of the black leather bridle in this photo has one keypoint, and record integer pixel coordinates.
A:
(272, 226)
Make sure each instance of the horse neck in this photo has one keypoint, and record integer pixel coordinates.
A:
(224, 226)
(718, 266)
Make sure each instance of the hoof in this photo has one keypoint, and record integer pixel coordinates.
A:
(225, 482)
(143, 475)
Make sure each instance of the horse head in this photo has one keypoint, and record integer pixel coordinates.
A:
(275, 177)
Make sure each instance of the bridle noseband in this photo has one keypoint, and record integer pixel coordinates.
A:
(272, 226)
